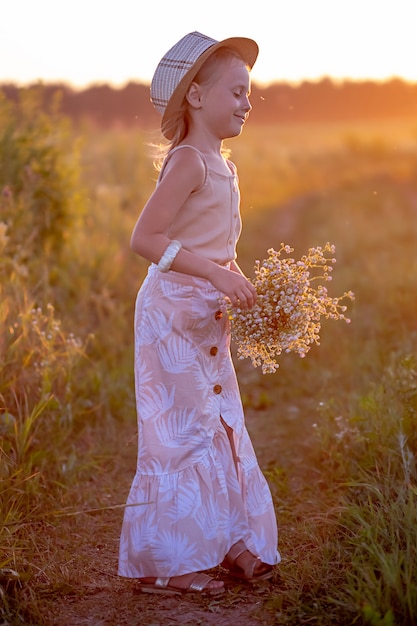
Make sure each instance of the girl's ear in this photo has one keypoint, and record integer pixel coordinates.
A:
(194, 96)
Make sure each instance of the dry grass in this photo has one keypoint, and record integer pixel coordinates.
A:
(335, 432)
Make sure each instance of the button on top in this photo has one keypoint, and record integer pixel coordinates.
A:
(213, 351)
(218, 315)
(217, 389)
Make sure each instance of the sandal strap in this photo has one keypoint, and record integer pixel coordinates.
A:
(161, 582)
(200, 582)
(235, 551)
(252, 562)
(251, 566)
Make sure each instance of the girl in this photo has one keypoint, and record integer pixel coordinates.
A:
(198, 498)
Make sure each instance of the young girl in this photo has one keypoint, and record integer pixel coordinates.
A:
(199, 498)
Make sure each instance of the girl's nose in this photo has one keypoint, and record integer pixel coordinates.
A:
(248, 106)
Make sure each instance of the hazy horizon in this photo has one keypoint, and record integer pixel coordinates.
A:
(93, 43)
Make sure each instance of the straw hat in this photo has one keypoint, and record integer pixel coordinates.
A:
(178, 67)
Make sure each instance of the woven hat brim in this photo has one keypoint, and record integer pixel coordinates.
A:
(246, 48)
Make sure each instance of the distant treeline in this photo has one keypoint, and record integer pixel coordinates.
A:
(278, 102)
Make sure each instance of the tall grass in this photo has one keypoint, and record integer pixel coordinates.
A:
(62, 329)
(369, 453)
(340, 443)
(356, 396)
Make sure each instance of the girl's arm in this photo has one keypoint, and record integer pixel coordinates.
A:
(235, 268)
(184, 173)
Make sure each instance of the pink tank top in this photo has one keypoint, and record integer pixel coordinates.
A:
(209, 222)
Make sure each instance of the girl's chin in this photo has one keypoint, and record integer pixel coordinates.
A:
(236, 130)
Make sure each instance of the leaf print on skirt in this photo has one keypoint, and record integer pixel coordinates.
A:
(196, 504)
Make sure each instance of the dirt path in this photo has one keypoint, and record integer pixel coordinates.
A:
(89, 592)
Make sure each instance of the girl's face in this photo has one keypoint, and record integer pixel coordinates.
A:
(225, 102)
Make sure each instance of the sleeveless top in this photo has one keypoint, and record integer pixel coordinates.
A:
(209, 222)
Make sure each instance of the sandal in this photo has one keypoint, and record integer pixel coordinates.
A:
(198, 585)
(252, 570)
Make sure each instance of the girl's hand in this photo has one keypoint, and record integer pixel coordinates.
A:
(235, 286)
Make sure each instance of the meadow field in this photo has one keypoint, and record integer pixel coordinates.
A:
(335, 432)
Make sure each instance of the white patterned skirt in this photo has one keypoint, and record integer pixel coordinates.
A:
(189, 501)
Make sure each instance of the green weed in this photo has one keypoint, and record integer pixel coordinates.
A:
(335, 431)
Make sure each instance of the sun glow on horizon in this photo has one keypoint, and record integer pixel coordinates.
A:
(93, 43)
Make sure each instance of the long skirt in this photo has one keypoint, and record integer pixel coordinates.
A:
(198, 488)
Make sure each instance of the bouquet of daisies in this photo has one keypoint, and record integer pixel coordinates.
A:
(288, 311)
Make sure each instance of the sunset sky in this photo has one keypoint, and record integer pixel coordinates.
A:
(91, 41)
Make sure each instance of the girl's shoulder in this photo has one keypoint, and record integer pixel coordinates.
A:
(186, 157)
(186, 148)
(185, 152)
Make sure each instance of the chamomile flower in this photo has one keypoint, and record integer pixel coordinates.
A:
(287, 314)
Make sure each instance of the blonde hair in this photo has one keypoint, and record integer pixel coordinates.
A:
(180, 124)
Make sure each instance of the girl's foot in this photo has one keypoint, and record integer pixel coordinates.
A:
(244, 565)
(186, 583)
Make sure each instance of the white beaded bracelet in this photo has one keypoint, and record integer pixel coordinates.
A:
(169, 255)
